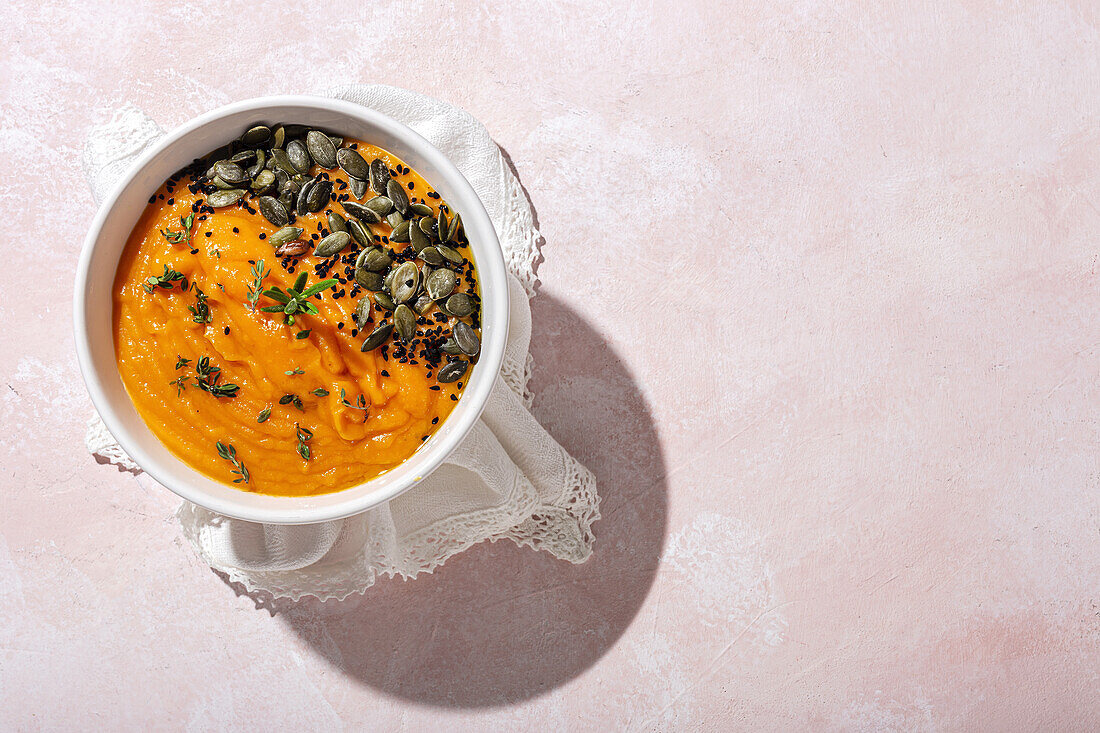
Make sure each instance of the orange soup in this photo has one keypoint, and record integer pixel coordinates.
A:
(296, 313)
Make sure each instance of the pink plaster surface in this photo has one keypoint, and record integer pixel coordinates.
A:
(819, 307)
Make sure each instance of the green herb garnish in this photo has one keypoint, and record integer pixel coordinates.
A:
(200, 311)
(360, 403)
(164, 281)
(294, 371)
(229, 453)
(302, 335)
(181, 362)
(209, 376)
(258, 275)
(320, 392)
(304, 435)
(181, 384)
(180, 237)
(295, 300)
(292, 399)
(264, 414)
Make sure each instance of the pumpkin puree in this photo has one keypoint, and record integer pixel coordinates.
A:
(255, 350)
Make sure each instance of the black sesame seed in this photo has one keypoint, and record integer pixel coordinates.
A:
(227, 330)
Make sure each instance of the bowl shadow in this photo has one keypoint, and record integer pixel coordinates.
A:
(500, 623)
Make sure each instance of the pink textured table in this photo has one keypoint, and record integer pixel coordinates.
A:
(819, 307)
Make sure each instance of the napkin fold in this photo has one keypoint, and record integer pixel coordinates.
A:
(508, 479)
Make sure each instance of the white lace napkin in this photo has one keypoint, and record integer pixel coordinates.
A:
(509, 478)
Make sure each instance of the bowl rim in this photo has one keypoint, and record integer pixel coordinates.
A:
(491, 268)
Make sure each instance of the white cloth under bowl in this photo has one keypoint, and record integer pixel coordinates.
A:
(508, 479)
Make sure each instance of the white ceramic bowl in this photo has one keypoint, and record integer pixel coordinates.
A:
(107, 237)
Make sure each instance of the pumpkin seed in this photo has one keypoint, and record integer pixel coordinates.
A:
(337, 141)
(387, 282)
(451, 347)
(394, 219)
(274, 211)
(377, 336)
(220, 199)
(450, 254)
(460, 305)
(452, 371)
(380, 205)
(321, 149)
(379, 175)
(264, 181)
(230, 172)
(452, 230)
(374, 259)
(400, 233)
(358, 187)
(418, 238)
(362, 213)
(319, 196)
(466, 339)
(441, 225)
(352, 163)
(397, 194)
(362, 312)
(284, 235)
(423, 304)
(383, 300)
(427, 225)
(431, 256)
(405, 322)
(300, 205)
(278, 137)
(360, 233)
(282, 161)
(255, 168)
(299, 157)
(293, 131)
(332, 244)
(219, 183)
(368, 280)
(336, 223)
(405, 281)
(245, 156)
(420, 209)
(256, 136)
(440, 283)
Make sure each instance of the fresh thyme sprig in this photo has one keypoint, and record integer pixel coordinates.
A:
(304, 435)
(183, 236)
(295, 300)
(294, 371)
(165, 280)
(320, 392)
(181, 380)
(254, 290)
(292, 399)
(209, 376)
(200, 311)
(360, 403)
(229, 453)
